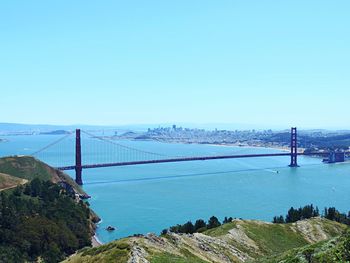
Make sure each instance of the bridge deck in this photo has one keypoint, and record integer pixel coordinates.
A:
(187, 159)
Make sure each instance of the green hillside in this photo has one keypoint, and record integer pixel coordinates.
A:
(331, 251)
(25, 167)
(28, 168)
(41, 218)
(40, 222)
(237, 241)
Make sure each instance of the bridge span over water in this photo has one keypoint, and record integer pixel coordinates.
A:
(145, 157)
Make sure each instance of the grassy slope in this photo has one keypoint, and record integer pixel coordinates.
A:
(8, 181)
(28, 168)
(268, 240)
(273, 239)
(331, 251)
(117, 251)
(170, 258)
(24, 167)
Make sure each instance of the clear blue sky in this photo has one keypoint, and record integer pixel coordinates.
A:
(197, 61)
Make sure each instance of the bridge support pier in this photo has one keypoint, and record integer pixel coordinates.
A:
(293, 148)
(78, 168)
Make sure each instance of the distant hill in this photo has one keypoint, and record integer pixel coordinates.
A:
(237, 241)
(307, 140)
(28, 168)
(38, 128)
(18, 129)
(56, 132)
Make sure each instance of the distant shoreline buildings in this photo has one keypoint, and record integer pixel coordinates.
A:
(307, 140)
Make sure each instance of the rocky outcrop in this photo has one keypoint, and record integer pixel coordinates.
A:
(238, 241)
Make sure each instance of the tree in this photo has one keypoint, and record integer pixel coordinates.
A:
(213, 222)
(18, 191)
(330, 213)
(35, 186)
(200, 223)
(278, 220)
(52, 254)
(175, 229)
(187, 228)
(27, 190)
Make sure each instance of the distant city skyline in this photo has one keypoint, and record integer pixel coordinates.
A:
(262, 63)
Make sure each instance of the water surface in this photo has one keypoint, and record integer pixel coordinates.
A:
(149, 198)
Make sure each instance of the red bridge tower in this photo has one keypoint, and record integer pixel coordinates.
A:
(78, 168)
(293, 148)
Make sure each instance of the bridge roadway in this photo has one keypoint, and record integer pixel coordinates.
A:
(188, 159)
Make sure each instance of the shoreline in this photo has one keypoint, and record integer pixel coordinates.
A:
(281, 148)
(275, 147)
(95, 241)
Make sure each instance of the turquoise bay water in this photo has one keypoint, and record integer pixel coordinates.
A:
(149, 198)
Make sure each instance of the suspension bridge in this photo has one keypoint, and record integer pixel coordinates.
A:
(116, 154)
